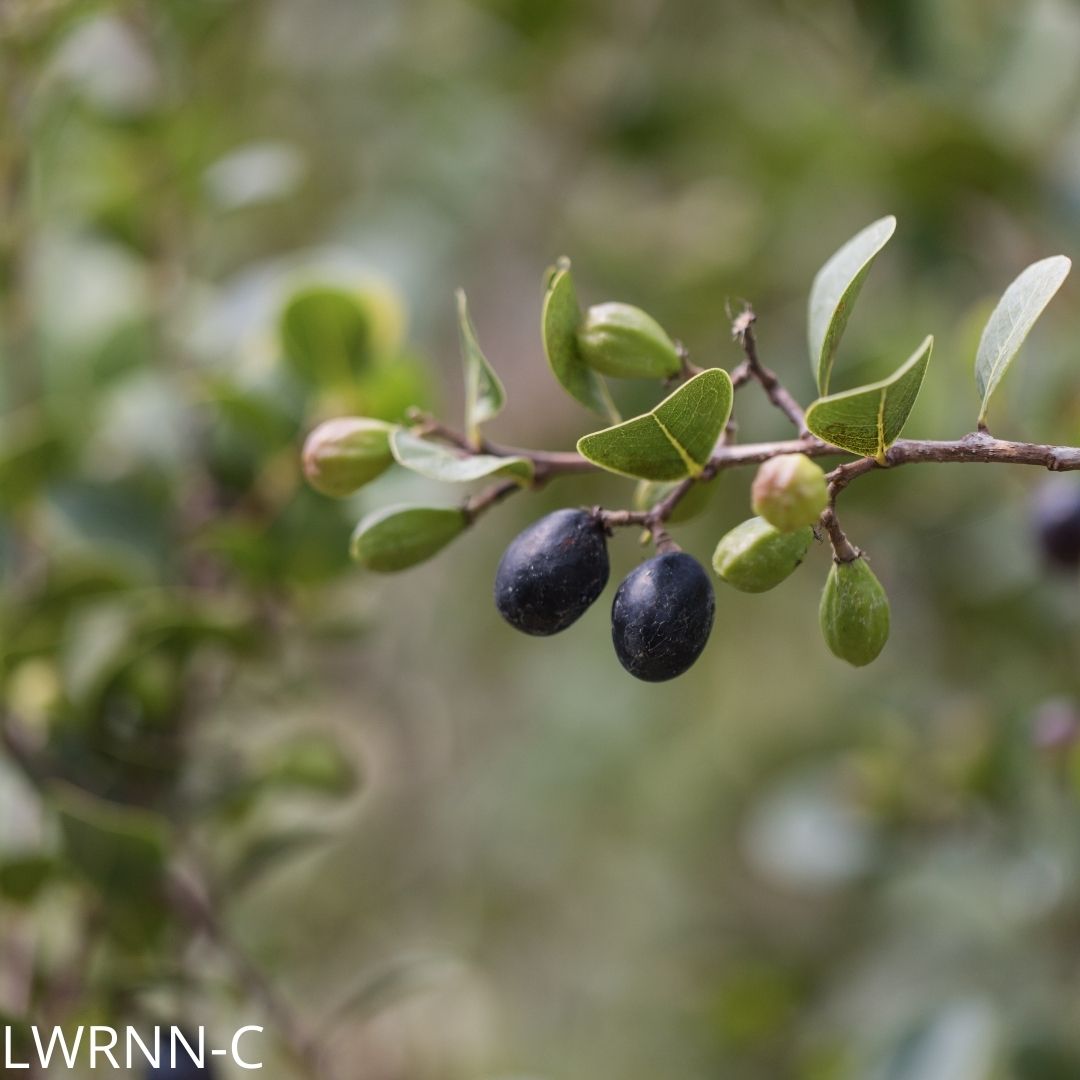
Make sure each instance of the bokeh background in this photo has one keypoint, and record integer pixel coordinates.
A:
(244, 782)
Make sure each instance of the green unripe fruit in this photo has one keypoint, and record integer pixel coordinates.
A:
(854, 613)
(789, 492)
(623, 341)
(756, 556)
(342, 455)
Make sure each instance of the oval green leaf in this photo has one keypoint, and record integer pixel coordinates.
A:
(868, 420)
(327, 335)
(670, 442)
(398, 537)
(1011, 322)
(451, 466)
(833, 294)
(484, 393)
(121, 849)
(561, 319)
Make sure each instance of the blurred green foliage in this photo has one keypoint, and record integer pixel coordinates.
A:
(456, 853)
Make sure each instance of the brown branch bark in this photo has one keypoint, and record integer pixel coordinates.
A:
(190, 904)
(488, 497)
(979, 446)
(742, 330)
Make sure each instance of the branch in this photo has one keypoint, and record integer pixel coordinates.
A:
(979, 446)
(189, 902)
(22, 753)
(976, 447)
(687, 369)
(483, 500)
(742, 331)
(547, 463)
(843, 549)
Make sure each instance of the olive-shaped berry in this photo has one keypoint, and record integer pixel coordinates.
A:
(789, 492)
(756, 556)
(342, 455)
(854, 612)
(552, 572)
(1055, 518)
(662, 616)
(623, 341)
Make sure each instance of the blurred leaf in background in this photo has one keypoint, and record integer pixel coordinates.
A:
(455, 853)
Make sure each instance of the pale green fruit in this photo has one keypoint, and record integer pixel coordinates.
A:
(342, 455)
(623, 341)
(756, 556)
(789, 492)
(854, 613)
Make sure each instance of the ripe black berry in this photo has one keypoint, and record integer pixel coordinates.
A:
(552, 572)
(1055, 516)
(662, 616)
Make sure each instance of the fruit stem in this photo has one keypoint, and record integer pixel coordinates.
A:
(665, 545)
(843, 550)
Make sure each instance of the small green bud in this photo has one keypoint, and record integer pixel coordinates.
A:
(623, 341)
(789, 492)
(756, 556)
(342, 455)
(854, 612)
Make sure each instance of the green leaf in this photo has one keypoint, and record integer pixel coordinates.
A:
(121, 849)
(439, 462)
(833, 294)
(267, 853)
(23, 877)
(484, 393)
(672, 441)
(869, 419)
(1011, 322)
(561, 320)
(398, 537)
(313, 763)
(392, 388)
(326, 335)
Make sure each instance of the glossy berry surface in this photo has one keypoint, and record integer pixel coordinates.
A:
(552, 572)
(662, 616)
(1055, 518)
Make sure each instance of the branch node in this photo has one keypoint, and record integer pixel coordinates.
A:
(663, 541)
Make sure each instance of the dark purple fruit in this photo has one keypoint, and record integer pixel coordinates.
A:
(1055, 517)
(552, 572)
(662, 616)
